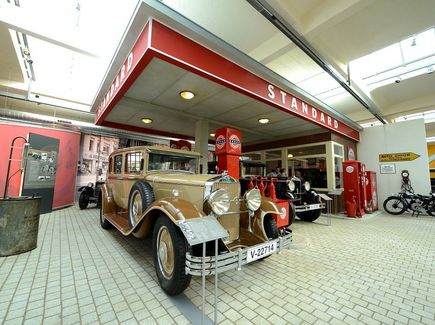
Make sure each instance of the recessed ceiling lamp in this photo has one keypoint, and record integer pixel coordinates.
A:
(212, 134)
(187, 94)
(263, 120)
(147, 120)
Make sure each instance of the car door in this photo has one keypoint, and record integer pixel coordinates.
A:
(116, 181)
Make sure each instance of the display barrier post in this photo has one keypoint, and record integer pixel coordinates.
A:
(328, 200)
(200, 231)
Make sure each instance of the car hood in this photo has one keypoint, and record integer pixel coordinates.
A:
(182, 178)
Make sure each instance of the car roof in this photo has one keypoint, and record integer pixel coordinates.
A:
(250, 163)
(161, 149)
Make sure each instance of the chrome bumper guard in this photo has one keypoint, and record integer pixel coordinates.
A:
(229, 261)
(309, 207)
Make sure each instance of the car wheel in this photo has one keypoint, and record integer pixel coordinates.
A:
(141, 196)
(103, 221)
(309, 216)
(169, 255)
(99, 200)
(292, 213)
(83, 200)
(270, 227)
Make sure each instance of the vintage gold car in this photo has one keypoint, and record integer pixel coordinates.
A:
(158, 191)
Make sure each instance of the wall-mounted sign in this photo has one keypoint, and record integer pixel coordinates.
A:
(387, 168)
(398, 156)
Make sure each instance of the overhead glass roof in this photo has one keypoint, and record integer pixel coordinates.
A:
(408, 58)
(72, 46)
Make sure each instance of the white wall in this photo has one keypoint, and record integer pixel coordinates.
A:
(409, 136)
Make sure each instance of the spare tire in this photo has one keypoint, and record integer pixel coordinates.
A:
(140, 198)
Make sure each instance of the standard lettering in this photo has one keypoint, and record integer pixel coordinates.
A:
(123, 73)
(294, 103)
(271, 92)
(283, 94)
(129, 61)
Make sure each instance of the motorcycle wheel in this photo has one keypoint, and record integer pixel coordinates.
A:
(394, 205)
(431, 209)
(83, 200)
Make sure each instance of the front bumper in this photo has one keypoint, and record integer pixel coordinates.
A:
(229, 261)
(309, 207)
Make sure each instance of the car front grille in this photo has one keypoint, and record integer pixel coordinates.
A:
(231, 220)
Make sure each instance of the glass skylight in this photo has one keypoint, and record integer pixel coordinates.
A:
(406, 59)
(75, 42)
(428, 116)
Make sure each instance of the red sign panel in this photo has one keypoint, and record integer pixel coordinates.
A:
(130, 70)
(160, 41)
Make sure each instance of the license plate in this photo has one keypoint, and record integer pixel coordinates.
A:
(314, 206)
(260, 251)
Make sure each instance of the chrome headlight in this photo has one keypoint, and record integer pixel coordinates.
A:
(253, 199)
(291, 185)
(307, 186)
(219, 201)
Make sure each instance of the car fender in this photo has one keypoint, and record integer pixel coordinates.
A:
(174, 208)
(267, 207)
(107, 202)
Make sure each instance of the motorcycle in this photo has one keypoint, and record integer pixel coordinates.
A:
(407, 201)
(89, 194)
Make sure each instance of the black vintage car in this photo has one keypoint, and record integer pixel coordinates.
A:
(307, 202)
(90, 194)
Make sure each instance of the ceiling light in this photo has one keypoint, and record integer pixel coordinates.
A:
(212, 134)
(147, 120)
(289, 155)
(263, 120)
(187, 94)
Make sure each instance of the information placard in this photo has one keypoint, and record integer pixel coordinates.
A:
(202, 229)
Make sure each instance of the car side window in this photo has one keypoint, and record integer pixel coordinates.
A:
(118, 164)
(110, 165)
(133, 163)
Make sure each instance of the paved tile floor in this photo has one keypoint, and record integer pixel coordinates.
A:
(379, 270)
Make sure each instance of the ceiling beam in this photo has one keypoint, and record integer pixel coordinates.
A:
(270, 14)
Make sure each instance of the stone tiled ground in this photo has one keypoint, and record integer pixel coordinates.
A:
(380, 270)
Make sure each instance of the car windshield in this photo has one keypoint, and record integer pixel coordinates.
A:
(171, 162)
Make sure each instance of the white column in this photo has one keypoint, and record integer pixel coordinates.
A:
(330, 166)
(201, 143)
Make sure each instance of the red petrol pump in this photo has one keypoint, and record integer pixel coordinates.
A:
(228, 148)
(371, 191)
(354, 182)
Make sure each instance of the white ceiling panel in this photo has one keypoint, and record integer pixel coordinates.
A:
(285, 122)
(201, 87)
(220, 103)
(158, 73)
(254, 108)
